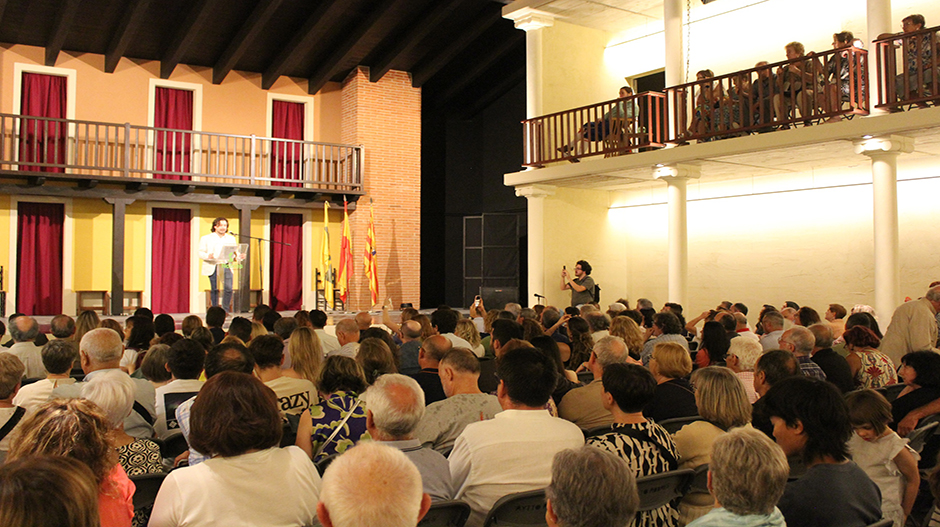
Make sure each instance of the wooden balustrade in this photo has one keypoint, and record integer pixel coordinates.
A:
(908, 69)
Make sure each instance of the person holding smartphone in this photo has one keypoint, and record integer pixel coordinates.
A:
(581, 286)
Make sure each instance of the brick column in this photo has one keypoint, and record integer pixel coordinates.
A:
(385, 118)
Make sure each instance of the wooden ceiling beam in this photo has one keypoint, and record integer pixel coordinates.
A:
(130, 22)
(195, 21)
(300, 44)
(244, 39)
(60, 30)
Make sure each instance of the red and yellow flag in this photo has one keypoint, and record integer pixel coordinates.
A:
(371, 270)
(345, 257)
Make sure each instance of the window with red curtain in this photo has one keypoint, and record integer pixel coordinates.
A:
(172, 109)
(287, 158)
(171, 260)
(43, 141)
(287, 284)
(39, 258)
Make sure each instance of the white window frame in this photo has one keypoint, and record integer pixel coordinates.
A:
(69, 301)
(307, 101)
(309, 295)
(197, 118)
(19, 68)
(197, 302)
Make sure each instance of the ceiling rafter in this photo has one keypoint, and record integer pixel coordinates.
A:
(131, 21)
(299, 45)
(480, 67)
(195, 20)
(60, 30)
(424, 71)
(3, 6)
(243, 39)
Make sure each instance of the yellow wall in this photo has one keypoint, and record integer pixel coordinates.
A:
(135, 246)
(573, 70)
(92, 227)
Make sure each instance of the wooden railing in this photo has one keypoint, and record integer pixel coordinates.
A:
(805, 90)
(908, 69)
(609, 128)
(99, 149)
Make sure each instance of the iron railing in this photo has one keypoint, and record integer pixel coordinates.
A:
(908, 69)
(99, 149)
(609, 128)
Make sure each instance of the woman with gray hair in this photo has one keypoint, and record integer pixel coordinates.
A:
(747, 476)
(741, 359)
(590, 488)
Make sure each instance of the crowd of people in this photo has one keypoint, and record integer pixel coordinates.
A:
(441, 406)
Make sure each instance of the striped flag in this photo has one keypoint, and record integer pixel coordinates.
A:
(326, 263)
(371, 270)
(345, 257)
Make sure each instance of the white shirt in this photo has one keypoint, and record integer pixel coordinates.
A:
(327, 342)
(210, 248)
(293, 395)
(458, 342)
(31, 357)
(771, 341)
(510, 453)
(37, 393)
(277, 487)
(162, 426)
(350, 349)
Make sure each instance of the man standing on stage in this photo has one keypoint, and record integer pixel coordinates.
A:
(210, 249)
(582, 286)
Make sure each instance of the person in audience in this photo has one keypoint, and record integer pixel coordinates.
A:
(772, 324)
(153, 367)
(666, 328)
(78, 429)
(670, 364)
(600, 325)
(340, 383)
(714, 346)
(722, 402)
(627, 329)
(512, 452)
(257, 329)
(741, 359)
(444, 421)
(164, 324)
(139, 331)
(550, 317)
(11, 415)
(920, 371)
(57, 358)
(259, 312)
(838, 87)
(870, 368)
(747, 475)
(800, 341)
(249, 480)
(531, 329)
(444, 322)
(584, 406)
(410, 347)
(590, 488)
(306, 354)
(742, 328)
(227, 356)
(913, 326)
(599, 130)
(810, 419)
(567, 379)
(270, 318)
(920, 52)
(796, 86)
(429, 358)
(835, 317)
(110, 323)
(705, 102)
(113, 392)
(240, 327)
(467, 330)
(201, 336)
(376, 359)
(395, 407)
(185, 360)
(283, 328)
(833, 365)
(215, 319)
(86, 321)
(771, 368)
(294, 396)
(144, 312)
(48, 490)
(503, 332)
(62, 327)
(882, 454)
(644, 445)
(391, 482)
(318, 321)
(101, 350)
(24, 331)
(363, 320)
(347, 334)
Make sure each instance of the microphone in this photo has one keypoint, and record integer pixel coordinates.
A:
(538, 295)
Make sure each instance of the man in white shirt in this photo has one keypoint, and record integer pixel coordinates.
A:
(773, 330)
(210, 249)
(347, 334)
(293, 395)
(185, 361)
(513, 451)
(327, 342)
(24, 331)
(57, 357)
(444, 321)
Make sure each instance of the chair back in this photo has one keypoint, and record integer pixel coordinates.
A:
(146, 487)
(173, 446)
(519, 509)
(891, 391)
(446, 514)
(700, 480)
(676, 423)
(659, 489)
(925, 429)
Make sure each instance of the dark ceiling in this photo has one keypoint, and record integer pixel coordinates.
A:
(462, 51)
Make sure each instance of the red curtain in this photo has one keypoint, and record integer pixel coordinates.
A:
(287, 158)
(43, 141)
(171, 260)
(173, 109)
(39, 258)
(287, 265)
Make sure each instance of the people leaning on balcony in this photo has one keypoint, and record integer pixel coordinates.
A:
(921, 47)
(599, 130)
(796, 83)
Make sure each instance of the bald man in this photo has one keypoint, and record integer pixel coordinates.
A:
(347, 333)
(429, 358)
(410, 334)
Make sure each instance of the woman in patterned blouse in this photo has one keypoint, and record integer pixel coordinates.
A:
(643, 444)
(340, 382)
(870, 368)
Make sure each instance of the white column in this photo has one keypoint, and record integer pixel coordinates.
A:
(884, 152)
(879, 21)
(675, 55)
(676, 178)
(535, 200)
(532, 21)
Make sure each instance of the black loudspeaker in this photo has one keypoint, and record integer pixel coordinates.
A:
(497, 297)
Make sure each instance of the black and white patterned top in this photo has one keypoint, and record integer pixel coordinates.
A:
(646, 459)
(138, 458)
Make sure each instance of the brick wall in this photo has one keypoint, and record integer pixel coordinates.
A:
(385, 118)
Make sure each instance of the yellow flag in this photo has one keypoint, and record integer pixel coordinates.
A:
(326, 263)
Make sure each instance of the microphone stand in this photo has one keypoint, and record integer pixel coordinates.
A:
(245, 300)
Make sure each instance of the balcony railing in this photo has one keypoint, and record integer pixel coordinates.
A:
(610, 128)
(98, 149)
(908, 69)
(804, 90)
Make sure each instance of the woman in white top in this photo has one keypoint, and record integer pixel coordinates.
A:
(249, 480)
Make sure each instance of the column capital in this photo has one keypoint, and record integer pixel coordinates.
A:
(527, 18)
(676, 171)
(884, 144)
(535, 191)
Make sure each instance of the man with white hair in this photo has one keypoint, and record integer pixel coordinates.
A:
(347, 334)
(584, 406)
(24, 331)
(100, 350)
(372, 484)
(772, 322)
(913, 327)
(394, 407)
(800, 341)
(741, 358)
(590, 487)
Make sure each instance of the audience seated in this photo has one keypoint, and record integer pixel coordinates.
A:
(772, 324)
(191, 323)
(567, 379)
(42, 491)
(240, 327)
(468, 331)
(444, 322)
(920, 371)
(185, 360)
(643, 444)
(318, 320)
(584, 406)
(432, 351)
(294, 396)
(11, 415)
(771, 368)
(747, 475)
(626, 328)
(215, 319)
(666, 328)
(741, 359)
(834, 365)
(153, 367)
(25, 331)
(590, 488)
(58, 356)
(800, 341)
(249, 480)
(306, 354)
(347, 335)
(139, 331)
(372, 484)
(870, 367)
(340, 384)
(670, 365)
(411, 344)
(376, 359)
(512, 452)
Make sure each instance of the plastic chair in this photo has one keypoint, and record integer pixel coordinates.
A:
(700, 480)
(673, 425)
(659, 489)
(926, 428)
(446, 514)
(147, 486)
(519, 509)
